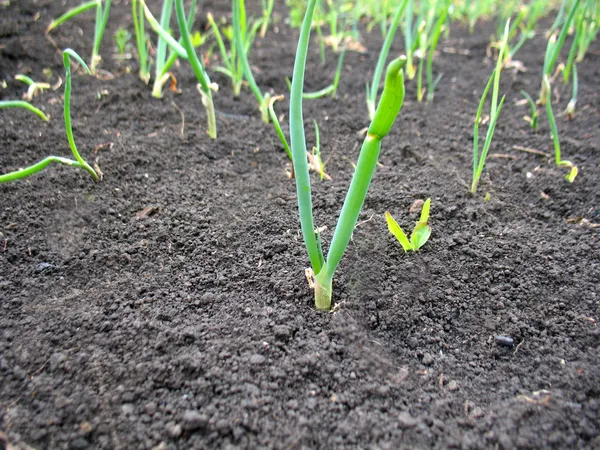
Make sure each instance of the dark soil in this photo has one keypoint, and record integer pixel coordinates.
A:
(191, 325)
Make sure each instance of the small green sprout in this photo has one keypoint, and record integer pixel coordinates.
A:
(101, 21)
(573, 171)
(205, 86)
(479, 158)
(141, 39)
(420, 233)
(533, 118)
(385, 115)
(78, 161)
(161, 49)
(122, 41)
(34, 86)
(24, 105)
(239, 20)
(435, 37)
(231, 68)
(267, 10)
(570, 111)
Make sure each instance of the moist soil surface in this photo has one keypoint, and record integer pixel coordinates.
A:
(167, 306)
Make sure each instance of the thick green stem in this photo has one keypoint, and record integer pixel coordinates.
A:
(298, 144)
(323, 290)
(385, 115)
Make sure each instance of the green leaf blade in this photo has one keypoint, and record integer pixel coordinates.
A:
(395, 229)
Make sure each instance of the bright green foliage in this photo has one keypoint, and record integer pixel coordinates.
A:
(78, 161)
(122, 38)
(101, 21)
(420, 234)
(233, 60)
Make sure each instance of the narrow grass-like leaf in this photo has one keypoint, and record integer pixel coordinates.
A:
(557, 150)
(67, 55)
(381, 59)
(398, 233)
(72, 13)
(24, 105)
(198, 69)
(238, 37)
(533, 119)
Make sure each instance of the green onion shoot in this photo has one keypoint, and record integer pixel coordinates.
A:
(480, 157)
(573, 171)
(101, 21)
(385, 115)
(532, 119)
(34, 86)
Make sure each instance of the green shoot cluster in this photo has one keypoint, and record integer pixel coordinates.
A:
(420, 234)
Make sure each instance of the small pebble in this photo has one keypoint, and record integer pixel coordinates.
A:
(44, 266)
(173, 429)
(127, 409)
(193, 420)
(505, 341)
(405, 420)
(477, 413)
(427, 359)
(452, 385)
(257, 359)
